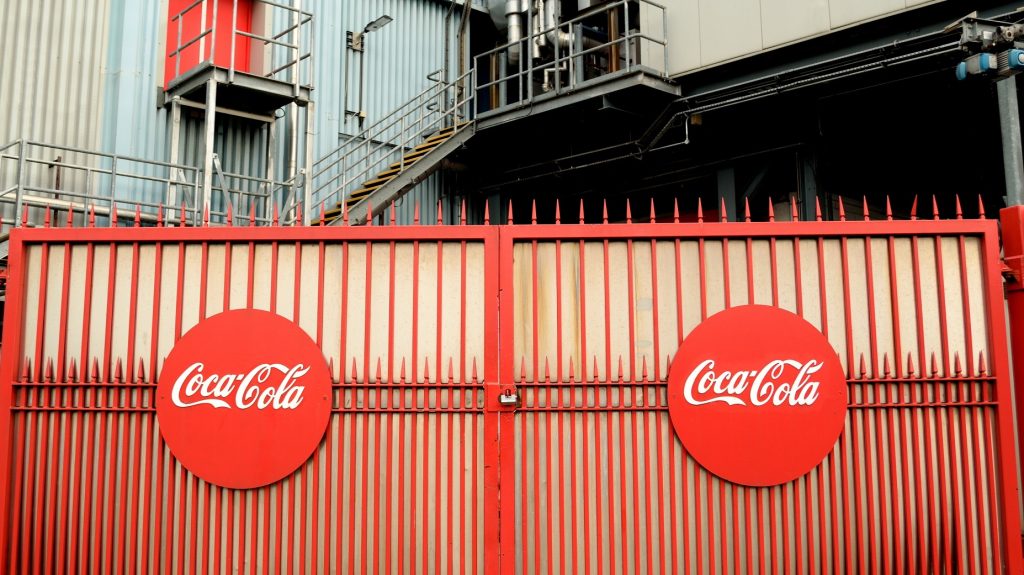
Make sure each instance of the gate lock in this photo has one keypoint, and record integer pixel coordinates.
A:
(509, 398)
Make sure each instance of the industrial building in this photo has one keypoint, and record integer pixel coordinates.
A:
(400, 180)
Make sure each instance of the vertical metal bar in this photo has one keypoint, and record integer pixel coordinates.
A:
(298, 479)
(953, 484)
(315, 467)
(684, 510)
(608, 418)
(996, 334)
(584, 417)
(20, 195)
(873, 438)
(133, 308)
(233, 40)
(62, 376)
(209, 133)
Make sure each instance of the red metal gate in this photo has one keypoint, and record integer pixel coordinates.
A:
(499, 400)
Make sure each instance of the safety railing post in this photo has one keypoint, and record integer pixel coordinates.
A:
(113, 184)
(234, 30)
(20, 193)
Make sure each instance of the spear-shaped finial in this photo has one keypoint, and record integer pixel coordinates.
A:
(771, 211)
(913, 209)
(746, 209)
(487, 213)
(558, 212)
(981, 208)
(462, 212)
(675, 210)
(959, 210)
(510, 219)
(866, 209)
(604, 211)
(817, 209)
(700, 211)
(793, 214)
(842, 210)
(935, 208)
(724, 216)
(888, 209)
(533, 211)
(629, 212)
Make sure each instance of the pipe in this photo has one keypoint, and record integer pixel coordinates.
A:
(514, 15)
(553, 34)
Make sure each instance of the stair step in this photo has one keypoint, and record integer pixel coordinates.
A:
(416, 155)
(399, 164)
(377, 182)
(429, 145)
(390, 172)
(358, 195)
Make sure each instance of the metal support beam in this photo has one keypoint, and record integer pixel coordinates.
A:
(172, 190)
(727, 191)
(807, 182)
(1009, 125)
(210, 132)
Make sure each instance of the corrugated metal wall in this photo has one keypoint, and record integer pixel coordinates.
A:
(52, 76)
(88, 74)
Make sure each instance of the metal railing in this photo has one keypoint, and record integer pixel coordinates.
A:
(564, 69)
(589, 53)
(388, 140)
(285, 55)
(81, 183)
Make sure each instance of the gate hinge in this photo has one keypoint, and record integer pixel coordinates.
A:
(1012, 270)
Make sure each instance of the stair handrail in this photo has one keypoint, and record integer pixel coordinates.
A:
(361, 153)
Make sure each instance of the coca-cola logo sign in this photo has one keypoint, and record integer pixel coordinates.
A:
(243, 398)
(757, 395)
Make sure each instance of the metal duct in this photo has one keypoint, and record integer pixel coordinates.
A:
(549, 9)
(514, 16)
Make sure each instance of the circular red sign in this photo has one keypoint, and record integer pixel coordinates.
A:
(757, 395)
(244, 398)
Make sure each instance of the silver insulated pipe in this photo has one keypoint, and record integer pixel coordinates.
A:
(514, 17)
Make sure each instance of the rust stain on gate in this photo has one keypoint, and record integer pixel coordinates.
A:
(425, 469)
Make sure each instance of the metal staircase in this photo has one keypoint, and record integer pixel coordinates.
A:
(394, 154)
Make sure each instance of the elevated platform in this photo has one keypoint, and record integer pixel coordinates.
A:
(241, 91)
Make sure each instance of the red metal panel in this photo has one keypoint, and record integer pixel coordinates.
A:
(427, 467)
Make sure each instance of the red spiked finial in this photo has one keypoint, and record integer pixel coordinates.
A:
(426, 370)
(252, 213)
(72, 375)
(462, 212)
(817, 209)
(913, 209)
(982, 366)
(118, 371)
(298, 214)
(377, 373)
(604, 211)
(206, 217)
(935, 365)
(981, 208)
(863, 367)
(533, 211)
(46, 217)
(793, 214)
(629, 213)
(392, 219)
(746, 209)
(558, 212)
(935, 208)
(957, 367)
(474, 375)
(415, 213)
(138, 216)
(401, 372)
(440, 214)
(547, 370)
(182, 217)
(581, 211)
(771, 211)
(92, 215)
(369, 213)
(71, 217)
(24, 217)
(842, 210)
(700, 212)
(888, 209)
(522, 368)
(344, 214)
(621, 375)
(355, 370)
(160, 216)
(229, 219)
(510, 216)
(487, 213)
(959, 211)
(140, 373)
(866, 209)
(910, 364)
(652, 219)
(323, 214)
(724, 216)
(675, 210)
(593, 374)
(277, 216)
(886, 370)
(572, 371)
(643, 369)
(451, 370)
